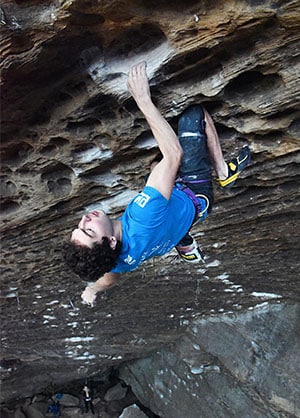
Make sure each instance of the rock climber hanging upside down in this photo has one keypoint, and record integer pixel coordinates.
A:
(178, 193)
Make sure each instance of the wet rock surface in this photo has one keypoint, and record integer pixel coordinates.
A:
(72, 139)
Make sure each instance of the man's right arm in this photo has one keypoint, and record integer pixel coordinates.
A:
(163, 175)
(105, 282)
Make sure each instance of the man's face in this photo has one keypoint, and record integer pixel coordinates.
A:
(92, 228)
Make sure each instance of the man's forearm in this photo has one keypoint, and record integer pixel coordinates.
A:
(161, 129)
(105, 282)
(90, 293)
(164, 134)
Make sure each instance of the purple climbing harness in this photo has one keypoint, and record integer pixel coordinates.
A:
(199, 211)
(191, 179)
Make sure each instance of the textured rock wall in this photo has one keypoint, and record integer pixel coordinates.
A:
(71, 138)
(244, 365)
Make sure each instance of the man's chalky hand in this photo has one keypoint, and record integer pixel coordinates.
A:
(138, 84)
(89, 296)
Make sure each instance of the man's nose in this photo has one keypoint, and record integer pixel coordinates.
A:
(84, 220)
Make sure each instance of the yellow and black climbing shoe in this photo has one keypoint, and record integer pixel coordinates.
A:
(190, 253)
(235, 166)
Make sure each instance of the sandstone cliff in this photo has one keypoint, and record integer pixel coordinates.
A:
(72, 137)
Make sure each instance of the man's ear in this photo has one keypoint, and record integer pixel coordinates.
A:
(113, 242)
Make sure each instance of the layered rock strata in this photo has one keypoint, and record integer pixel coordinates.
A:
(72, 138)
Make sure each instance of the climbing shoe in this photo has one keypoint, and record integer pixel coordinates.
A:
(190, 253)
(235, 166)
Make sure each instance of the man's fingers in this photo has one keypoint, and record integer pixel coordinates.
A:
(88, 296)
(141, 67)
(87, 302)
(138, 69)
(138, 84)
(137, 75)
(133, 70)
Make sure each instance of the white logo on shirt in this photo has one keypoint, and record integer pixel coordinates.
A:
(129, 260)
(142, 199)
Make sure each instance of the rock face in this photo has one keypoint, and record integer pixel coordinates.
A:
(231, 365)
(72, 139)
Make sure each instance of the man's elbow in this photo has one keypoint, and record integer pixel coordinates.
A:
(177, 155)
(173, 156)
(173, 159)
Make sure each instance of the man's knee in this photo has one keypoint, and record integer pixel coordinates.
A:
(192, 120)
(193, 111)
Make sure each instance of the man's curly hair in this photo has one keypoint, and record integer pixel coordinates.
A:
(91, 263)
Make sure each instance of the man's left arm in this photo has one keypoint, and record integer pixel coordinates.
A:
(105, 282)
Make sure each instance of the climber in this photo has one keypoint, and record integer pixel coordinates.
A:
(178, 193)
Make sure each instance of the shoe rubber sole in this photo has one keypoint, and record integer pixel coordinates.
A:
(235, 166)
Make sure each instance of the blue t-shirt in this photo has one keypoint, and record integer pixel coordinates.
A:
(153, 225)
